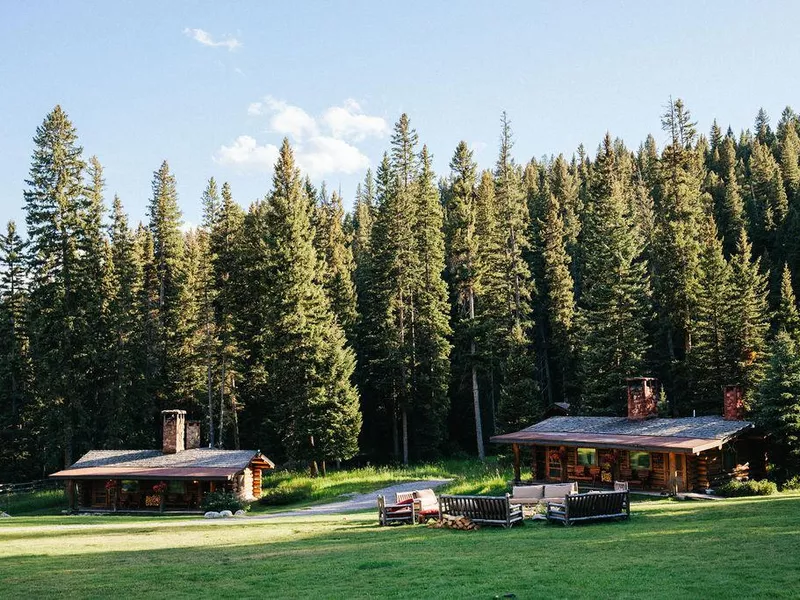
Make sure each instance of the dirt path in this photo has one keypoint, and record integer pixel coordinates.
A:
(352, 504)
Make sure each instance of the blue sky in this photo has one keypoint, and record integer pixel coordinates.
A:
(213, 87)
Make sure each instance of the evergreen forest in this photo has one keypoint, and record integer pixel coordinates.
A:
(441, 309)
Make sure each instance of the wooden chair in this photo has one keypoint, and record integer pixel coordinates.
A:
(488, 510)
(594, 506)
(389, 514)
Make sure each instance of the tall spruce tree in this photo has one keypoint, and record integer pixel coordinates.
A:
(519, 403)
(225, 246)
(680, 206)
(464, 270)
(15, 445)
(748, 310)
(777, 404)
(55, 212)
(710, 367)
(787, 317)
(314, 401)
(173, 322)
(432, 327)
(615, 305)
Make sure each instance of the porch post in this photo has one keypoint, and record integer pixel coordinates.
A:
(517, 477)
(71, 495)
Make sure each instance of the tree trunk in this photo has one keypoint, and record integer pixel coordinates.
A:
(405, 435)
(476, 401)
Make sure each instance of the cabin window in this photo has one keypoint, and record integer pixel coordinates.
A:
(130, 485)
(640, 461)
(176, 487)
(587, 457)
(729, 459)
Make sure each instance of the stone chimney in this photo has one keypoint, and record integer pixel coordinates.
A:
(174, 431)
(642, 398)
(733, 403)
(192, 435)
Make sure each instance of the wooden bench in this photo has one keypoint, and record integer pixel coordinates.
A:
(389, 514)
(486, 510)
(594, 506)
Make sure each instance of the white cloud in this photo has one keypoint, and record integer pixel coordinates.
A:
(323, 155)
(247, 154)
(322, 146)
(287, 119)
(347, 122)
(199, 35)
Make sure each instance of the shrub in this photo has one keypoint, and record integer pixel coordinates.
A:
(223, 500)
(792, 484)
(751, 487)
(286, 492)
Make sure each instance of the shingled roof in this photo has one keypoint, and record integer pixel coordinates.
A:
(199, 463)
(685, 435)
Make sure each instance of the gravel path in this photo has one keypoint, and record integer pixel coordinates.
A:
(352, 504)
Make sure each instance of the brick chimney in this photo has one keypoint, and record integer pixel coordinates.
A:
(192, 434)
(642, 398)
(733, 403)
(174, 431)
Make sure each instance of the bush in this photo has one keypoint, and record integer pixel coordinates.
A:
(223, 500)
(735, 488)
(792, 484)
(286, 492)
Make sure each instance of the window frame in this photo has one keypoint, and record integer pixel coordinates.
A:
(637, 466)
(592, 463)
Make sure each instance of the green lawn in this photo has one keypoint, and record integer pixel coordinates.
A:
(739, 548)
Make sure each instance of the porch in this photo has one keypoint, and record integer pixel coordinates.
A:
(141, 496)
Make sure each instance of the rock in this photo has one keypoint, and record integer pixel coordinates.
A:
(4, 515)
(212, 515)
(225, 514)
(240, 513)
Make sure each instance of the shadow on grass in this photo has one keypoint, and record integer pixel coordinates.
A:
(740, 548)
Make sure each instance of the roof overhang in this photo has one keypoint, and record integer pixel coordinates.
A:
(192, 473)
(648, 443)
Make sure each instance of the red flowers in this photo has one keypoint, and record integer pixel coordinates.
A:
(111, 485)
(160, 488)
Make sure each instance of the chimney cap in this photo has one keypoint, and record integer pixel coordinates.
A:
(173, 411)
(640, 379)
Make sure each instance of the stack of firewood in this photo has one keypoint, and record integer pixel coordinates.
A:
(453, 522)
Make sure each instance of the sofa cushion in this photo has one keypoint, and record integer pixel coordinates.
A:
(528, 492)
(427, 499)
(558, 490)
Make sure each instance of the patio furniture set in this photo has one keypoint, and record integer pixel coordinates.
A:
(563, 504)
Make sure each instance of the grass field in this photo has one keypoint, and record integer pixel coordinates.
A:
(738, 548)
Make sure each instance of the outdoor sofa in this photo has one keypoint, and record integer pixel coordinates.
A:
(592, 506)
(540, 494)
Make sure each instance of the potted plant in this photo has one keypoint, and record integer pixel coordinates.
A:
(111, 490)
(161, 490)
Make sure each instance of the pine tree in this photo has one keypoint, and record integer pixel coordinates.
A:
(224, 245)
(15, 382)
(315, 403)
(777, 405)
(749, 313)
(55, 213)
(207, 292)
(131, 403)
(463, 267)
(787, 318)
(518, 398)
(767, 203)
(556, 290)
(730, 209)
(710, 367)
(432, 327)
(615, 305)
(173, 320)
(679, 205)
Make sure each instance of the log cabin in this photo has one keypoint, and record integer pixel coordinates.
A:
(174, 478)
(662, 454)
